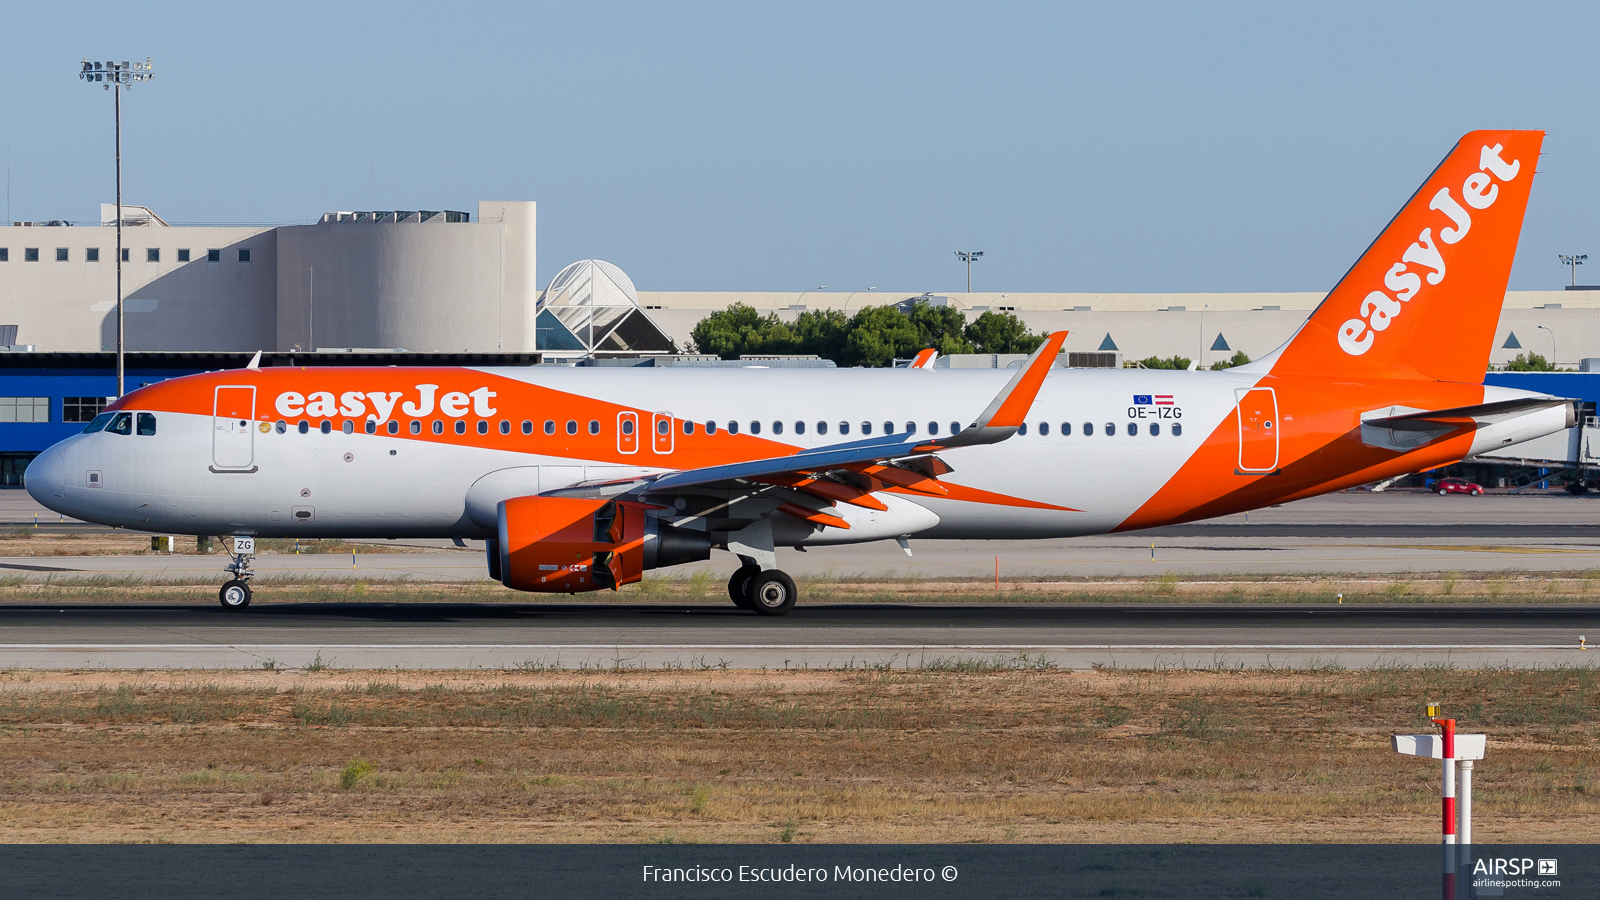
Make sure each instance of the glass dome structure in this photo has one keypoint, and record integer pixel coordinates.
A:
(591, 306)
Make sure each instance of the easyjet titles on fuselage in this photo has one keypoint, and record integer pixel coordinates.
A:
(318, 404)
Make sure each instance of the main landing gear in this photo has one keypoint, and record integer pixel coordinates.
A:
(769, 593)
(235, 593)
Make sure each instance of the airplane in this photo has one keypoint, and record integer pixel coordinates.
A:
(582, 479)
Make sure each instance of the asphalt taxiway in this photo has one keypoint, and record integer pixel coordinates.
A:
(587, 636)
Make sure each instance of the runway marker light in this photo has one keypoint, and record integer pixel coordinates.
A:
(1341, 598)
(1433, 709)
(1582, 643)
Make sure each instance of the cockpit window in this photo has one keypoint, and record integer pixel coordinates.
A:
(147, 424)
(98, 424)
(121, 423)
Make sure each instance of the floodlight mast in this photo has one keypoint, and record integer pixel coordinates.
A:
(111, 75)
(1572, 262)
(967, 257)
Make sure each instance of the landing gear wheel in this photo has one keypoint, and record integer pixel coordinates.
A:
(235, 595)
(772, 593)
(738, 583)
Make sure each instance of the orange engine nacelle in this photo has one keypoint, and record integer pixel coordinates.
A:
(565, 545)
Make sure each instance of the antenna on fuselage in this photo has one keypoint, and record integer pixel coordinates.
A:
(255, 362)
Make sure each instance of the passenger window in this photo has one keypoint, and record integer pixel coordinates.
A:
(733, 426)
(438, 426)
(866, 427)
(572, 426)
(1133, 429)
(416, 426)
(461, 426)
(955, 427)
(1088, 429)
(304, 427)
(1044, 429)
(483, 426)
(121, 424)
(282, 427)
(98, 423)
(1111, 429)
(688, 427)
(1066, 429)
(844, 427)
(147, 424)
(394, 426)
(777, 428)
(371, 426)
(911, 428)
(755, 426)
(1177, 429)
(627, 426)
(933, 427)
(527, 426)
(799, 428)
(505, 427)
(711, 428)
(349, 426)
(1155, 428)
(1022, 430)
(326, 427)
(663, 426)
(822, 427)
(549, 426)
(594, 427)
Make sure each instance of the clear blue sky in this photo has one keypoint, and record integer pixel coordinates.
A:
(765, 146)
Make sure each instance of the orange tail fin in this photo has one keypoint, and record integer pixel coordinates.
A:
(1424, 300)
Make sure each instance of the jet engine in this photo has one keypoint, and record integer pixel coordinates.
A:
(564, 545)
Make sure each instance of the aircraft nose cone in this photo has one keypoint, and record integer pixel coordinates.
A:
(45, 477)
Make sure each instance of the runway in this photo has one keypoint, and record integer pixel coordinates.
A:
(1349, 534)
(592, 637)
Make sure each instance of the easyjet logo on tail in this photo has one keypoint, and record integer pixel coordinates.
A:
(1423, 258)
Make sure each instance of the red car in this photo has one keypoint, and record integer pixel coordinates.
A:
(1457, 486)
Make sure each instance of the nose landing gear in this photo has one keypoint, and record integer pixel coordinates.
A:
(235, 593)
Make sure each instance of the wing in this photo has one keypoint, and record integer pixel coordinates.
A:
(807, 484)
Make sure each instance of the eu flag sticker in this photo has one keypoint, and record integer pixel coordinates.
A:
(1142, 400)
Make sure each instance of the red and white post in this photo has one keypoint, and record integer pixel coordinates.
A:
(1452, 750)
(1449, 727)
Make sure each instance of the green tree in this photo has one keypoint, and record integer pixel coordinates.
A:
(821, 332)
(876, 336)
(1156, 362)
(1530, 362)
(940, 327)
(1001, 332)
(735, 330)
(1239, 358)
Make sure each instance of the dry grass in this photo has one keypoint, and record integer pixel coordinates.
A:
(759, 757)
(707, 587)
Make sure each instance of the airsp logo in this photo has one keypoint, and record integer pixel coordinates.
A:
(1379, 308)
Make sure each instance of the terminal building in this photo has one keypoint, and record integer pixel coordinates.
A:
(462, 287)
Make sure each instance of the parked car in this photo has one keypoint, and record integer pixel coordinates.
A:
(1457, 486)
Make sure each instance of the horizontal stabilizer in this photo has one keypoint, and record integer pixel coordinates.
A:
(1482, 414)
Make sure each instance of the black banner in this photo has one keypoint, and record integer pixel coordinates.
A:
(1188, 871)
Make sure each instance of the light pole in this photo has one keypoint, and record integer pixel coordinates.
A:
(967, 257)
(851, 297)
(1552, 345)
(1572, 262)
(820, 287)
(112, 75)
